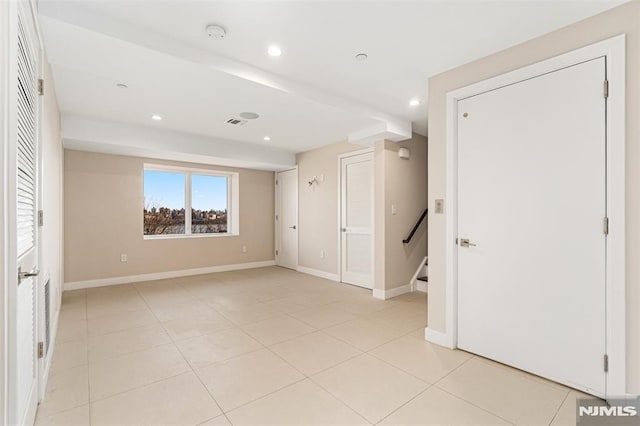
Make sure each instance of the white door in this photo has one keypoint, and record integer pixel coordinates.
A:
(287, 219)
(26, 231)
(532, 203)
(356, 219)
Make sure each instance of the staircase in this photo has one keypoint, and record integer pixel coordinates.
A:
(421, 280)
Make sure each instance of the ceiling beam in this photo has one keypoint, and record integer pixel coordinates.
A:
(89, 134)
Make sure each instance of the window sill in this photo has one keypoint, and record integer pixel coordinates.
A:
(186, 237)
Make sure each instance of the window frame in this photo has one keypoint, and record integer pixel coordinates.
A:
(233, 200)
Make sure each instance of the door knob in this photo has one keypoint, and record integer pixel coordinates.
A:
(464, 242)
(344, 229)
(292, 227)
(25, 275)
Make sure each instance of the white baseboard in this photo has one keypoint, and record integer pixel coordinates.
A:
(439, 338)
(76, 285)
(318, 273)
(422, 286)
(388, 294)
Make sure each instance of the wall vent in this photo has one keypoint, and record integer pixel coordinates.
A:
(236, 122)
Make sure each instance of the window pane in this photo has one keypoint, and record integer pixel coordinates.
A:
(209, 204)
(164, 198)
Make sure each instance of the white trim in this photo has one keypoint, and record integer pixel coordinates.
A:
(318, 273)
(388, 294)
(233, 199)
(277, 193)
(370, 150)
(614, 51)
(356, 152)
(439, 338)
(101, 282)
(414, 279)
(422, 286)
(7, 26)
(339, 192)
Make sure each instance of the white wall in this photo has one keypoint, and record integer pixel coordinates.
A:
(399, 182)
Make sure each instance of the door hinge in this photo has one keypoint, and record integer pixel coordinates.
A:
(40, 350)
(605, 226)
(40, 218)
(276, 217)
(606, 89)
(40, 87)
(605, 362)
(276, 252)
(276, 181)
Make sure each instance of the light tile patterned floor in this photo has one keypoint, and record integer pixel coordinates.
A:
(272, 346)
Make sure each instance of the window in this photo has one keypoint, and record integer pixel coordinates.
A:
(180, 202)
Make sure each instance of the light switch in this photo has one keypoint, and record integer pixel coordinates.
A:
(439, 209)
(393, 209)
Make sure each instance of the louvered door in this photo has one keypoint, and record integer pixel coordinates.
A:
(26, 204)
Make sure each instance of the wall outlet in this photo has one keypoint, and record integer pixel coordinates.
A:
(439, 206)
(244, 249)
(394, 210)
(123, 258)
(322, 254)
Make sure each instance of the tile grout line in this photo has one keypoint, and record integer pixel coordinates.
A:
(406, 403)
(559, 408)
(474, 404)
(340, 400)
(182, 356)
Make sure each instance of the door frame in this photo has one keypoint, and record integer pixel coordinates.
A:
(370, 150)
(278, 233)
(8, 267)
(613, 50)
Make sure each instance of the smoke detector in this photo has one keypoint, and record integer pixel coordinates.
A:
(216, 31)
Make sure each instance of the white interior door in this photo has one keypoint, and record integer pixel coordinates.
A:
(531, 203)
(27, 112)
(287, 219)
(356, 219)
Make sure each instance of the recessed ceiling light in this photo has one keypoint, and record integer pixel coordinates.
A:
(274, 51)
(414, 102)
(249, 115)
(267, 138)
(122, 86)
(156, 117)
(362, 57)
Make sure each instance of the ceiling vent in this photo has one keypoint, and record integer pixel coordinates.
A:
(236, 122)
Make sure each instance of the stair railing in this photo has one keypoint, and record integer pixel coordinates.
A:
(415, 228)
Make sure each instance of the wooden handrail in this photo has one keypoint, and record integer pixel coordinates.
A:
(415, 228)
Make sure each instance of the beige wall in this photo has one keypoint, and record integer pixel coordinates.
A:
(399, 182)
(624, 19)
(103, 219)
(52, 182)
(318, 206)
(406, 187)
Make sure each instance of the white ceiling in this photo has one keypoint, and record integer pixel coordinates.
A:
(315, 93)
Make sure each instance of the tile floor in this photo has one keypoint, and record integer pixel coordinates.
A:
(271, 346)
